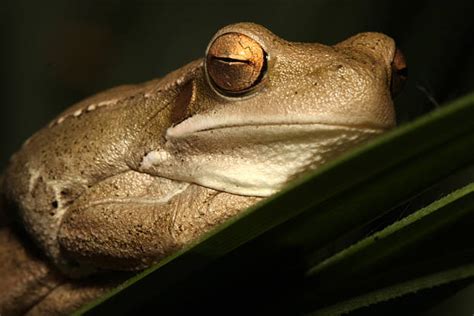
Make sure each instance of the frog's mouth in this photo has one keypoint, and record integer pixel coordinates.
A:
(204, 123)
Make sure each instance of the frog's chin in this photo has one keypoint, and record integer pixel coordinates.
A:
(252, 160)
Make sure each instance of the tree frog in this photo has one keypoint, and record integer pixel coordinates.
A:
(128, 176)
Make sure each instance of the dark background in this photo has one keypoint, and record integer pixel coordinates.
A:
(55, 53)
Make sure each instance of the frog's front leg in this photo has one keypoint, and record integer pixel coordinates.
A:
(132, 220)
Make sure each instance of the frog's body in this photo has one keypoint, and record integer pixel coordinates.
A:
(128, 176)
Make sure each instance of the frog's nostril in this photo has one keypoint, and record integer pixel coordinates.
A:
(399, 72)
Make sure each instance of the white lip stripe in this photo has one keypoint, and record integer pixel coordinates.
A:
(199, 123)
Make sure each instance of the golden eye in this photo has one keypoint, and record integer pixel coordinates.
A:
(235, 63)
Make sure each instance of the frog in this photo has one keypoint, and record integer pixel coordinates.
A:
(129, 176)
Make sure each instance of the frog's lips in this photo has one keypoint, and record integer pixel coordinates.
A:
(197, 124)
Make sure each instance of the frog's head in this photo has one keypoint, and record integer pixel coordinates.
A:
(262, 110)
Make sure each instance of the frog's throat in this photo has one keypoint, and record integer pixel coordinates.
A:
(251, 161)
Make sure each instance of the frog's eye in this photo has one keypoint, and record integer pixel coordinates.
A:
(399, 72)
(235, 63)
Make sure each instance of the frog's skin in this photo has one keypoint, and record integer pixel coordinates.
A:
(130, 175)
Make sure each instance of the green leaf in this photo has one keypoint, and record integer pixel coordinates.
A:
(316, 210)
(399, 289)
(411, 248)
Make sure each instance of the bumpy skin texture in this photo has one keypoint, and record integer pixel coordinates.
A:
(124, 178)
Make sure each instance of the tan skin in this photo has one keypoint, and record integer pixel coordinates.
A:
(126, 177)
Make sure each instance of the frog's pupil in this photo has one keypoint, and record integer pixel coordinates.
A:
(231, 60)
